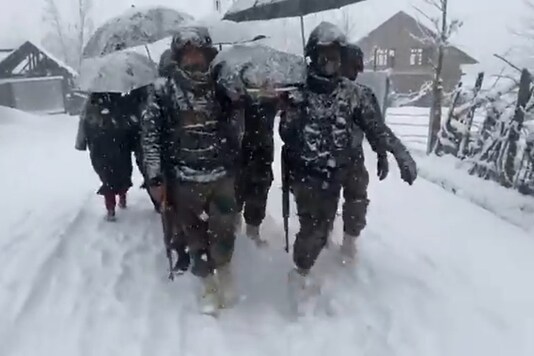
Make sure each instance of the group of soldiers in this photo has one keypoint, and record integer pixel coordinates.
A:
(206, 156)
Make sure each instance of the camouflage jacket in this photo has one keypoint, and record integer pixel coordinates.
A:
(321, 121)
(189, 131)
(395, 145)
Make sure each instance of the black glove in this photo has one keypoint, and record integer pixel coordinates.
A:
(407, 166)
(382, 167)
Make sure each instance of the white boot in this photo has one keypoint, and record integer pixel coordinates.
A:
(348, 249)
(253, 233)
(209, 296)
(329, 241)
(228, 295)
(303, 292)
(238, 223)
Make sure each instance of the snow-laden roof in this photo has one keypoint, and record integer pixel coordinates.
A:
(3, 55)
(41, 48)
(58, 61)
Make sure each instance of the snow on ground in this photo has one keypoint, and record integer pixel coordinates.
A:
(437, 275)
(411, 125)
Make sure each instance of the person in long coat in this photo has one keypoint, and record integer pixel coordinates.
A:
(107, 128)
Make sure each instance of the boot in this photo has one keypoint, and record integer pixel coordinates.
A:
(348, 249)
(227, 290)
(303, 291)
(109, 200)
(238, 224)
(110, 215)
(329, 240)
(209, 298)
(122, 201)
(253, 233)
(184, 260)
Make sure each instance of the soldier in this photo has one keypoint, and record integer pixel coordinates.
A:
(317, 129)
(356, 182)
(256, 175)
(190, 125)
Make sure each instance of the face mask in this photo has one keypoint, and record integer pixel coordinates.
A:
(194, 67)
(327, 66)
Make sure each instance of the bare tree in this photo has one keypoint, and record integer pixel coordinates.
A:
(68, 32)
(438, 39)
(53, 17)
(84, 26)
(346, 22)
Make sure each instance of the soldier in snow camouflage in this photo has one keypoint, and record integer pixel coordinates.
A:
(317, 129)
(357, 180)
(191, 139)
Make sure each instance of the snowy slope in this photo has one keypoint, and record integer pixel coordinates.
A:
(428, 282)
(410, 124)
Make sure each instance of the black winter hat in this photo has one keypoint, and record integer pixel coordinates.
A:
(197, 36)
(352, 53)
(324, 34)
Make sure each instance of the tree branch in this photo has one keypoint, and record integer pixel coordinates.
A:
(507, 62)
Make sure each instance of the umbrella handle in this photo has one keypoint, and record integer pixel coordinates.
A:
(148, 53)
(302, 34)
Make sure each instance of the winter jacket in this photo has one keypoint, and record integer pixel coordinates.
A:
(109, 122)
(258, 141)
(189, 130)
(319, 126)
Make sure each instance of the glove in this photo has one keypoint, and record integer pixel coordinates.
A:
(382, 167)
(407, 166)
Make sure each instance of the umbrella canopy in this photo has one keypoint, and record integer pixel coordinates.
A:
(254, 10)
(222, 33)
(229, 32)
(118, 72)
(138, 26)
(241, 69)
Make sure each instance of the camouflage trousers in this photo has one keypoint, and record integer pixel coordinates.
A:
(252, 190)
(317, 210)
(206, 213)
(355, 183)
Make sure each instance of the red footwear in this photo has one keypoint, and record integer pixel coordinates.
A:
(110, 216)
(122, 201)
(110, 202)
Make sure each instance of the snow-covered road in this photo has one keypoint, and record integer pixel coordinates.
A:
(436, 276)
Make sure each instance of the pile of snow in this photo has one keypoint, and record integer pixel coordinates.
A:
(411, 126)
(452, 174)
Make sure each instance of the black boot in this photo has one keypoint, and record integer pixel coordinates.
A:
(184, 260)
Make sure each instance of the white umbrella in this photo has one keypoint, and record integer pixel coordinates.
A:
(118, 72)
(228, 32)
(136, 27)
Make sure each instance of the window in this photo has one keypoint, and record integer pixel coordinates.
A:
(385, 58)
(391, 58)
(416, 57)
